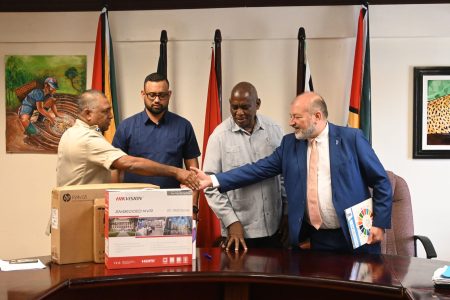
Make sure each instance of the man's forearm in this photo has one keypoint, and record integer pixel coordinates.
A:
(142, 166)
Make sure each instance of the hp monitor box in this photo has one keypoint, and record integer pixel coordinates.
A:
(148, 228)
(72, 214)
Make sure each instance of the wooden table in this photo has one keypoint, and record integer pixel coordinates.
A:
(258, 274)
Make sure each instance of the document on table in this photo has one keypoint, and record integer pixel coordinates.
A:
(5, 265)
(442, 276)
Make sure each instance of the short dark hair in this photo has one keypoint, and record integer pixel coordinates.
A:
(156, 77)
(89, 99)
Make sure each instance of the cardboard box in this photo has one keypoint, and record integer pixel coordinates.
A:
(72, 220)
(99, 230)
(148, 228)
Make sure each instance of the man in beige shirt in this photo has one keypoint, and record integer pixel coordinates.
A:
(85, 156)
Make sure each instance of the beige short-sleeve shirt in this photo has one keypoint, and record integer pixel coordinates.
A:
(85, 156)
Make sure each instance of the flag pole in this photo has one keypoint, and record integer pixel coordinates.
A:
(301, 64)
(162, 62)
(366, 105)
(218, 64)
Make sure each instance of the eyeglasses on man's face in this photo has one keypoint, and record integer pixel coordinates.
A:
(161, 96)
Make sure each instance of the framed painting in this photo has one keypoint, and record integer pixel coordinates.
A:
(41, 92)
(431, 116)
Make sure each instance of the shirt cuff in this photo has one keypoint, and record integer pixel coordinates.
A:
(215, 182)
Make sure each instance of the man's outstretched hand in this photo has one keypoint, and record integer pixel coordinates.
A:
(203, 179)
(188, 179)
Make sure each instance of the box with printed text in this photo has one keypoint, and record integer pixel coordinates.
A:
(72, 218)
(148, 228)
(99, 230)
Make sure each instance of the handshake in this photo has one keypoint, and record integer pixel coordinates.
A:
(195, 179)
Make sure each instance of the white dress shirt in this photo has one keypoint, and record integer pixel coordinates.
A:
(327, 211)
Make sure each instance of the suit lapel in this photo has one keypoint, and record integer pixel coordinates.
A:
(335, 145)
(300, 155)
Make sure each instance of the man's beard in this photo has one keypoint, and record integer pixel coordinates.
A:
(157, 111)
(305, 134)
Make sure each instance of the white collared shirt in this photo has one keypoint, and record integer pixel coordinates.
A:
(258, 206)
(327, 211)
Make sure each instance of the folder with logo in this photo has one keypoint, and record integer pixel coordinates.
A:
(359, 220)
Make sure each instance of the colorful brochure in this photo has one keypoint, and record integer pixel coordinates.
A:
(359, 220)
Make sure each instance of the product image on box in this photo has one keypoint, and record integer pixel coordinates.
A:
(148, 228)
(153, 226)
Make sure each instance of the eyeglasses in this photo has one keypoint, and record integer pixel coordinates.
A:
(161, 96)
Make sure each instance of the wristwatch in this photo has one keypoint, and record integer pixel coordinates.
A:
(195, 209)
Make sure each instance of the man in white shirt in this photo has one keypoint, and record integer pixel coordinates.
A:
(249, 216)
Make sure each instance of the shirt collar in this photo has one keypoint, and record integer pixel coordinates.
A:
(86, 125)
(235, 127)
(323, 135)
(146, 119)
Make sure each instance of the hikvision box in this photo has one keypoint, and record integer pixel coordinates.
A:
(99, 230)
(72, 220)
(148, 228)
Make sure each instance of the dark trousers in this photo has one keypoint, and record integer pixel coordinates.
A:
(333, 240)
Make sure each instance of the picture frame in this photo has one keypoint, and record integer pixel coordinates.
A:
(431, 114)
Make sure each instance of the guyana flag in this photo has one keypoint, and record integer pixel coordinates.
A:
(360, 111)
(103, 75)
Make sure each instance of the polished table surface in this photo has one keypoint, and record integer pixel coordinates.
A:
(257, 274)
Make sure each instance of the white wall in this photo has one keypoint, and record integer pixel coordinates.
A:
(259, 45)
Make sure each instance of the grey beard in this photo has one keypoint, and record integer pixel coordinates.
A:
(305, 134)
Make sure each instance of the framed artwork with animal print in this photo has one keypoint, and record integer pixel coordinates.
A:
(431, 127)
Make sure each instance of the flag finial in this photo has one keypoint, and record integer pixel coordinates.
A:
(163, 38)
(301, 33)
(217, 36)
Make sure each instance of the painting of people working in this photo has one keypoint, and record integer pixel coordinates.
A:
(41, 92)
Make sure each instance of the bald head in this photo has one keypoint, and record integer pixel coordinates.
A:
(244, 90)
(309, 115)
(313, 102)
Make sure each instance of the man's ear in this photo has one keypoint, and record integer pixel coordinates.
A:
(87, 113)
(258, 103)
(318, 114)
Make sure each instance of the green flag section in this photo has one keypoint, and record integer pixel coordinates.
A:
(209, 226)
(360, 98)
(103, 75)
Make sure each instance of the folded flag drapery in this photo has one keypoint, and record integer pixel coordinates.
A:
(103, 75)
(360, 96)
(208, 231)
(304, 78)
